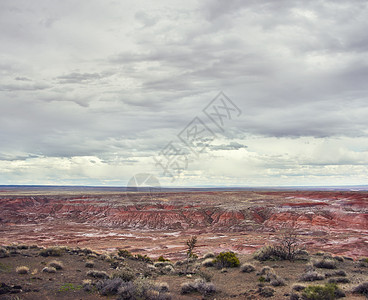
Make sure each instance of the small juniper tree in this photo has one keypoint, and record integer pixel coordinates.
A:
(191, 243)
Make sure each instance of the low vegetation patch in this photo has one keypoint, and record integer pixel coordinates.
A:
(311, 276)
(97, 274)
(329, 291)
(161, 258)
(125, 274)
(226, 260)
(247, 268)
(22, 270)
(199, 285)
(4, 252)
(58, 265)
(52, 251)
(125, 253)
(49, 270)
(325, 263)
(361, 289)
(69, 287)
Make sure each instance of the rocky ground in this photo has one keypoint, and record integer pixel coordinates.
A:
(75, 273)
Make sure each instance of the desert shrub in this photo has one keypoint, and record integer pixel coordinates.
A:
(199, 285)
(320, 253)
(298, 287)
(264, 253)
(179, 263)
(49, 270)
(276, 280)
(22, 270)
(144, 258)
(361, 289)
(294, 296)
(348, 258)
(339, 280)
(227, 260)
(125, 253)
(4, 252)
(89, 264)
(247, 268)
(265, 270)
(339, 273)
(58, 265)
(311, 276)
(97, 274)
(143, 289)
(52, 251)
(161, 264)
(339, 258)
(109, 287)
(322, 292)
(125, 274)
(208, 262)
(22, 247)
(325, 263)
(205, 275)
(266, 291)
(261, 279)
(209, 255)
(161, 258)
(66, 287)
(168, 269)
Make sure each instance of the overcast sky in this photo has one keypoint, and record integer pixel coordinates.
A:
(92, 91)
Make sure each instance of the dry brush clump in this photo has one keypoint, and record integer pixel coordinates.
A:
(52, 251)
(199, 285)
(4, 252)
(137, 289)
(209, 255)
(311, 276)
(247, 268)
(89, 264)
(361, 289)
(97, 274)
(125, 274)
(208, 262)
(58, 265)
(49, 270)
(325, 263)
(22, 270)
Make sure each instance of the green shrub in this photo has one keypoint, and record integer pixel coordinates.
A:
(329, 291)
(125, 253)
(161, 258)
(144, 258)
(69, 287)
(227, 260)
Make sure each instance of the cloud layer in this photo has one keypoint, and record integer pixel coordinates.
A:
(91, 91)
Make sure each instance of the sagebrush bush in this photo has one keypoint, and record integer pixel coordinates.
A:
(311, 276)
(339, 280)
(209, 255)
(144, 258)
(97, 274)
(22, 270)
(125, 274)
(58, 265)
(361, 289)
(52, 251)
(199, 285)
(208, 262)
(89, 264)
(247, 268)
(227, 260)
(4, 252)
(142, 289)
(109, 287)
(49, 270)
(161, 264)
(325, 263)
(339, 258)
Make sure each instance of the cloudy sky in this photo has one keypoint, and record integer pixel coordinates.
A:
(92, 91)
